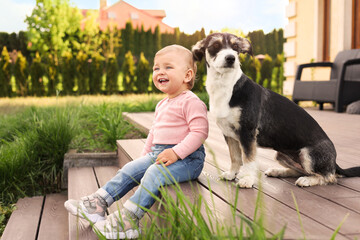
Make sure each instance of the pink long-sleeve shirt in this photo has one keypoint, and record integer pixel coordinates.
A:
(181, 121)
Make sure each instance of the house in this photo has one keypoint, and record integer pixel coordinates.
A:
(317, 30)
(121, 12)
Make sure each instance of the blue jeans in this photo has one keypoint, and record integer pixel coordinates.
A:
(151, 177)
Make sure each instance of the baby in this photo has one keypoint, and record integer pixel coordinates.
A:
(173, 150)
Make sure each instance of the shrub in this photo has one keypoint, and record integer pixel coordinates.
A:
(112, 72)
(254, 69)
(68, 73)
(21, 74)
(5, 73)
(82, 72)
(37, 73)
(266, 71)
(96, 73)
(278, 74)
(52, 74)
(199, 85)
(128, 70)
(142, 74)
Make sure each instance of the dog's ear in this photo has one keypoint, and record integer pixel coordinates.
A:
(246, 46)
(198, 50)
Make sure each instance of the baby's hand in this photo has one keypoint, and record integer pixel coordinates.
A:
(168, 156)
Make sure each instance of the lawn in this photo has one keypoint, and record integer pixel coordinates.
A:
(35, 133)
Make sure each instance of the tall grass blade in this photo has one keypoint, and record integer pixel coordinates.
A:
(299, 215)
(338, 228)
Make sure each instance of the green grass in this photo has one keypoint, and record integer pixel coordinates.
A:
(34, 139)
(35, 133)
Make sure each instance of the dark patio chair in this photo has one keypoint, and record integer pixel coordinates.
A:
(342, 88)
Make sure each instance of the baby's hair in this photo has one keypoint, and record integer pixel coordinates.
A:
(191, 63)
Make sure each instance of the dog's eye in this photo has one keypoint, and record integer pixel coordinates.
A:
(216, 45)
(235, 47)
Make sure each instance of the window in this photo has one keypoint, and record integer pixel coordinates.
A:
(355, 43)
(326, 39)
(134, 16)
(111, 15)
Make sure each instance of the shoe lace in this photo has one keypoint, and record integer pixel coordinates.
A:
(92, 201)
(123, 220)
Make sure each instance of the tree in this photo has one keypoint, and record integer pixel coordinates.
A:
(142, 40)
(253, 69)
(142, 74)
(52, 26)
(149, 52)
(157, 39)
(266, 71)
(37, 73)
(4, 40)
(68, 72)
(96, 73)
(199, 80)
(82, 72)
(128, 70)
(21, 74)
(90, 34)
(23, 42)
(128, 38)
(257, 39)
(13, 42)
(52, 74)
(5, 74)
(278, 74)
(112, 72)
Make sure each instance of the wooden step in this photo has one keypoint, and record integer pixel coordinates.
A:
(82, 182)
(315, 203)
(23, 223)
(54, 218)
(131, 149)
(38, 218)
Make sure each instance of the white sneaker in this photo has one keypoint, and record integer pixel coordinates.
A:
(119, 225)
(92, 207)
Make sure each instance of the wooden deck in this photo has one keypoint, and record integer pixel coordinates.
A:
(322, 208)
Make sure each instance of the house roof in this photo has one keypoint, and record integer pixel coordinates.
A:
(121, 12)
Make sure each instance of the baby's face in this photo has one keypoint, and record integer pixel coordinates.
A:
(170, 73)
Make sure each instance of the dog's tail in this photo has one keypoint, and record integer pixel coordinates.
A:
(349, 172)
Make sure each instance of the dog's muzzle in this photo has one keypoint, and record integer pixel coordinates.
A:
(229, 60)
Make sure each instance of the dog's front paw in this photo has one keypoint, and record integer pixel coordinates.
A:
(246, 182)
(272, 172)
(228, 175)
(303, 182)
(308, 181)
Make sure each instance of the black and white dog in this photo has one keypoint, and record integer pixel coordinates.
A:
(251, 116)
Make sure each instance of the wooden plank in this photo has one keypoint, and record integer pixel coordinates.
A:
(222, 213)
(104, 174)
(342, 197)
(213, 208)
(128, 150)
(54, 220)
(276, 214)
(142, 121)
(82, 182)
(315, 228)
(328, 197)
(23, 223)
